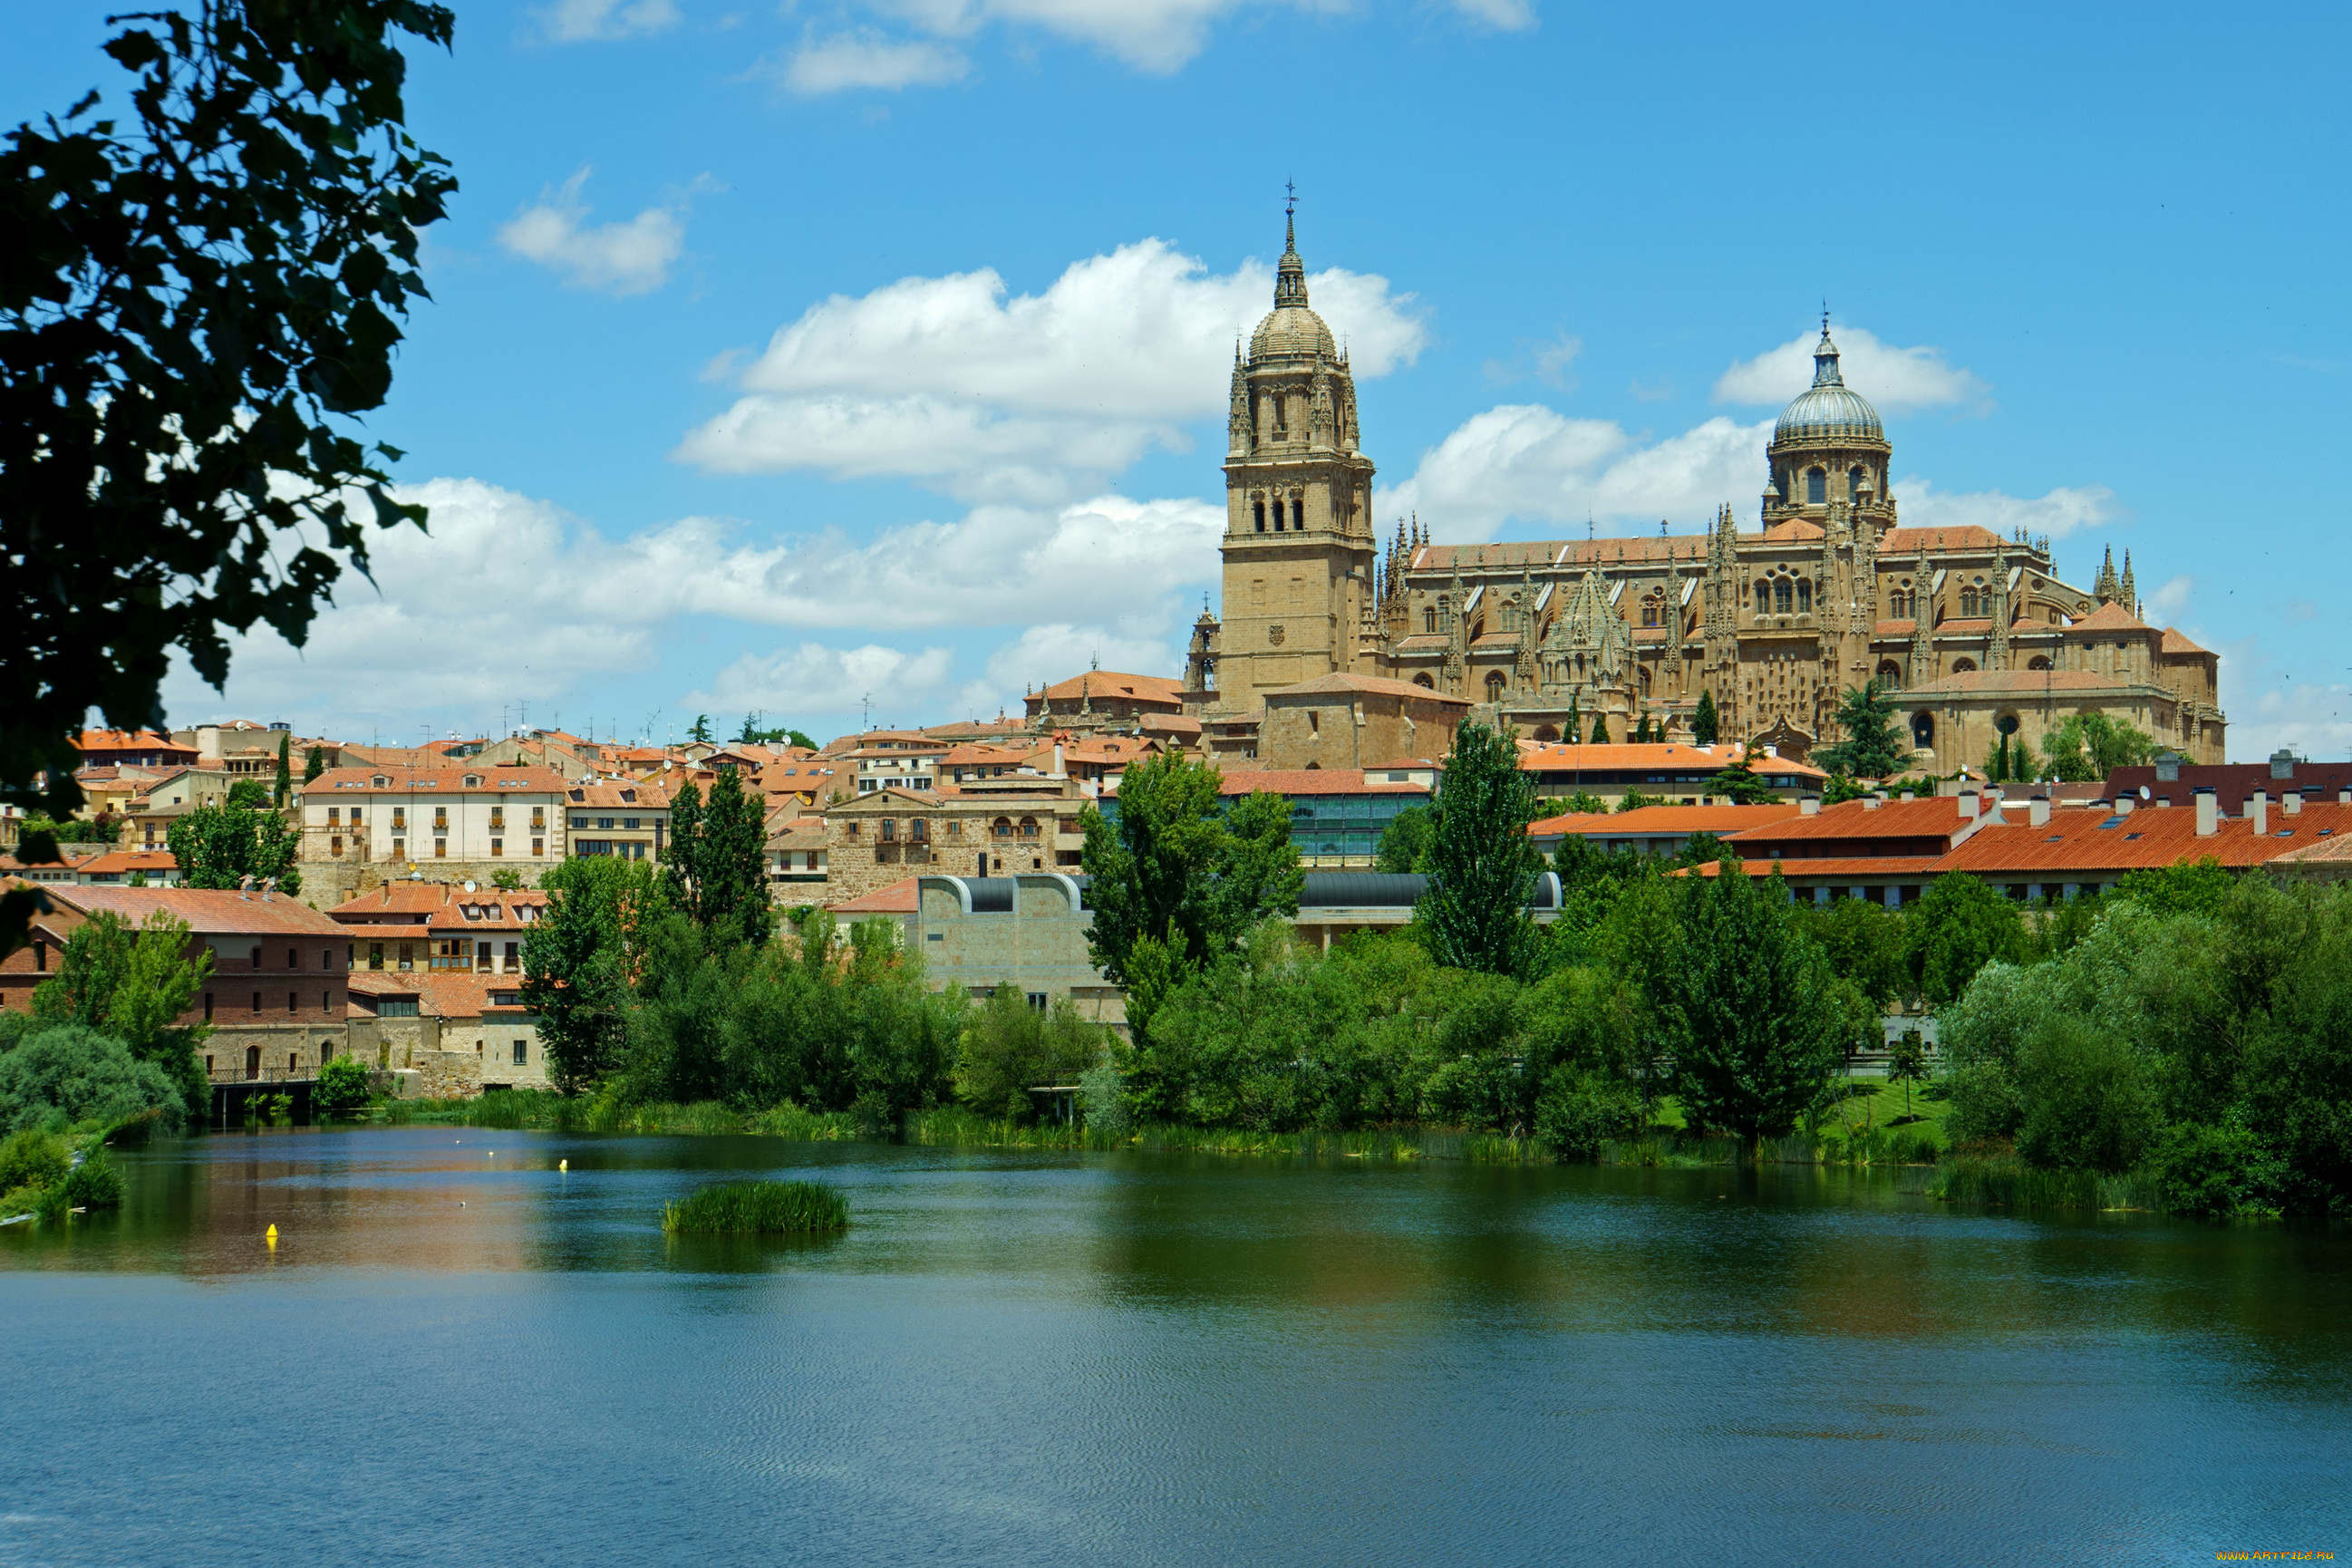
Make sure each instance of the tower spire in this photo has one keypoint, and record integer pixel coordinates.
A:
(1291, 277)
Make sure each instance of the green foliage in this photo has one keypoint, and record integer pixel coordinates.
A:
(2089, 1105)
(283, 785)
(71, 1070)
(1865, 944)
(2183, 888)
(2087, 746)
(755, 735)
(1599, 736)
(1405, 841)
(1873, 745)
(96, 1183)
(1583, 803)
(1906, 1064)
(759, 1208)
(34, 1158)
(344, 1085)
(219, 845)
(1010, 1048)
(1842, 787)
(103, 828)
(1959, 926)
(1739, 784)
(580, 960)
(1179, 871)
(715, 861)
(1634, 800)
(1747, 1005)
(134, 985)
(1703, 721)
(507, 879)
(701, 729)
(1102, 1099)
(194, 308)
(314, 763)
(1481, 863)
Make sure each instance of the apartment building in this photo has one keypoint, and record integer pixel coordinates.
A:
(629, 819)
(439, 928)
(415, 815)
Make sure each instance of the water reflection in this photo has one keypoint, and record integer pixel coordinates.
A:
(1150, 1357)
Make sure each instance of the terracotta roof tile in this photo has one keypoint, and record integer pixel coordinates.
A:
(207, 911)
(900, 898)
(1719, 819)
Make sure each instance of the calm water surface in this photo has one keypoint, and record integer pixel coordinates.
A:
(458, 1355)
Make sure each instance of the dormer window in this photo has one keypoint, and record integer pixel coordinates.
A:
(380, 782)
(473, 781)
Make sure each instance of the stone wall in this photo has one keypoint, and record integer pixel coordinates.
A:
(329, 882)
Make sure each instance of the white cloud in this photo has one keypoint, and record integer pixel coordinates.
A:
(815, 679)
(2057, 514)
(2312, 721)
(2169, 602)
(572, 21)
(1892, 378)
(1031, 397)
(510, 598)
(1527, 462)
(1043, 655)
(1502, 15)
(849, 61)
(621, 259)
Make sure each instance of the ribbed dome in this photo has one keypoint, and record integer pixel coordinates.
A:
(1828, 407)
(1290, 328)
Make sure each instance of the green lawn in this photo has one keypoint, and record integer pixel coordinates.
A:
(1870, 1101)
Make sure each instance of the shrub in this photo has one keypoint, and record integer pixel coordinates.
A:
(32, 1159)
(84, 1076)
(1010, 1046)
(1580, 1109)
(96, 1183)
(343, 1085)
(2089, 1104)
(2214, 1171)
(759, 1208)
(1102, 1097)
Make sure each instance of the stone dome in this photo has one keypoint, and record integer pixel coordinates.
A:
(1828, 408)
(1291, 328)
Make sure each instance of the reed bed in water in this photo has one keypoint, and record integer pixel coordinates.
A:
(542, 1110)
(759, 1208)
(2007, 1182)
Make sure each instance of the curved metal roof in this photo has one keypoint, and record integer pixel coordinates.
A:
(1829, 407)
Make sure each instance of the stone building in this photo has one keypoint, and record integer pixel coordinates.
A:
(1977, 632)
(362, 826)
(987, 827)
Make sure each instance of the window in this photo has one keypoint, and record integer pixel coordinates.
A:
(256, 957)
(1297, 515)
(1003, 828)
(604, 824)
(1259, 507)
(1783, 593)
(889, 830)
(1429, 617)
(1856, 478)
(375, 955)
(208, 1018)
(1028, 827)
(482, 957)
(256, 1001)
(579, 823)
(399, 818)
(1037, 1000)
(539, 846)
(395, 1007)
(399, 847)
(514, 958)
(521, 1053)
(440, 849)
(40, 958)
(440, 819)
(291, 1005)
(1817, 487)
(497, 847)
(498, 819)
(1967, 602)
(293, 958)
(538, 818)
(334, 815)
(955, 830)
(335, 845)
(1763, 598)
(407, 959)
(1494, 684)
(630, 823)
(1804, 596)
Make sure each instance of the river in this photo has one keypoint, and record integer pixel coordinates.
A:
(459, 1353)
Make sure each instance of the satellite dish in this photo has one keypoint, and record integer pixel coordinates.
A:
(2143, 791)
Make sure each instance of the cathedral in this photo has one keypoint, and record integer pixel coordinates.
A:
(1975, 634)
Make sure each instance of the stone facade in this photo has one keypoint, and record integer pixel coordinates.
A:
(1977, 633)
(989, 827)
(1028, 932)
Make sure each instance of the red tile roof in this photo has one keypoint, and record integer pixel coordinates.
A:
(899, 899)
(2175, 643)
(1105, 684)
(123, 862)
(1678, 757)
(208, 911)
(2110, 617)
(1719, 819)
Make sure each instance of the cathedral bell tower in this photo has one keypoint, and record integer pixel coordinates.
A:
(1299, 556)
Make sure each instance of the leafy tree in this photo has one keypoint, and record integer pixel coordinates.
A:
(1842, 787)
(1907, 1063)
(580, 960)
(700, 730)
(1872, 747)
(1481, 864)
(1864, 943)
(715, 861)
(1158, 873)
(74, 1070)
(2184, 888)
(1583, 803)
(343, 1085)
(2087, 746)
(192, 310)
(1404, 842)
(1009, 1047)
(1599, 736)
(134, 985)
(218, 845)
(284, 783)
(1703, 721)
(246, 795)
(2088, 1101)
(507, 879)
(1634, 800)
(1747, 1005)
(1960, 925)
(314, 763)
(103, 828)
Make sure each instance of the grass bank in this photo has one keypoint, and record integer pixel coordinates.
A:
(542, 1110)
(2003, 1180)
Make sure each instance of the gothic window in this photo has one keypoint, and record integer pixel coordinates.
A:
(1423, 681)
(1494, 684)
(1763, 598)
(1645, 680)
(1782, 594)
(1804, 596)
(1967, 602)
(2037, 662)
(1429, 617)
(1297, 515)
(1890, 672)
(1923, 731)
(1963, 666)
(1259, 507)
(1817, 485)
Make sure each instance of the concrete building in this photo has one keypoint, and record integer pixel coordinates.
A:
(629, 819)
(362, 826)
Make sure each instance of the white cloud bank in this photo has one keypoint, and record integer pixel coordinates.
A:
(1035, 398)
(617, 258)
(2057, 514)
(850, 62)
(512, 597)
(1894, 379)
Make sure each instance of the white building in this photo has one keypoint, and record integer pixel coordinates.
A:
(401, 815)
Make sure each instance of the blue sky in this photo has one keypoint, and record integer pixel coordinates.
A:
(782, 355)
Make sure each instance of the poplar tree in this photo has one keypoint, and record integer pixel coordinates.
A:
(1481, 864)
(1600, 728)
(1703, 721)
(285, 780)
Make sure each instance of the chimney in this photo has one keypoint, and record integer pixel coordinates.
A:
(244, 886)
(2344, 798)
(268, 885)
(2281, 763)
(2168, 767)
(1872, 802)
(2258, 812)
(1809, 805)
(207, 743)
(1907, 795)
(1970, 802)
(1059, 771)
(2126, 805)
(2291, 804)
(2208, 812)
(2037, 811)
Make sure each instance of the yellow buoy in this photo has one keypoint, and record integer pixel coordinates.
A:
(272, 1236)
(563, 1164)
